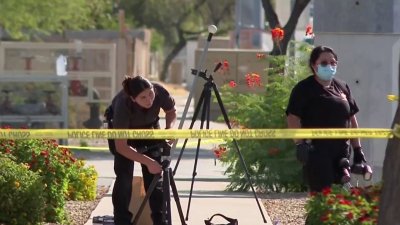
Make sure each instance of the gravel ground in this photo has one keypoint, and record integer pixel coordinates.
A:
(287, 208)
(79, 211)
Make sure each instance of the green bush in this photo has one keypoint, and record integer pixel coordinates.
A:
(64, 177)
(82, 182)
(271, 163)
(21, 199)
(44, 157)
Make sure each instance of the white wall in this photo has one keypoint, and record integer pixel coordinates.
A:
(369, 63)
(190, 63)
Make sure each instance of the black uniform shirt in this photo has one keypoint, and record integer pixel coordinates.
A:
(129, 115)
(322, 107)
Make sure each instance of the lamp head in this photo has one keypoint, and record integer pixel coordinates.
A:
(212, 29)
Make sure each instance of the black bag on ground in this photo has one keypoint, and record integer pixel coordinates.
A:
(103, 220)
(231, 221)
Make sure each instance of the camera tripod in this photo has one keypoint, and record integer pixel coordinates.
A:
(205, 101)
(167, 181)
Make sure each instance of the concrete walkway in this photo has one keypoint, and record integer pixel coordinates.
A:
(208, 196)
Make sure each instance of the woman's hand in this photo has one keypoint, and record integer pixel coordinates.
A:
(154, 167)
(358, 157)
(171, 141)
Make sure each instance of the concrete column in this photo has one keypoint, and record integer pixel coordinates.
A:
(361, 16)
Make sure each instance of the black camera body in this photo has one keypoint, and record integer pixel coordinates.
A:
(359, 169)
(344, 165)
(362, 169)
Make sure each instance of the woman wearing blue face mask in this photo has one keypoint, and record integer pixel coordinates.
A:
(322, 101)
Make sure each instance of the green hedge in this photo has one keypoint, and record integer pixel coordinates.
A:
(21, 200)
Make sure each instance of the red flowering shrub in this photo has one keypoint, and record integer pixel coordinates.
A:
(336, 205)
(60, 171)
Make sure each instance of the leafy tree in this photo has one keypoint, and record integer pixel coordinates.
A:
(289, 28)
(22, 19)
(179, 21)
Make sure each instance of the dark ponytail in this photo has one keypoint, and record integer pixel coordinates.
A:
(133, 86)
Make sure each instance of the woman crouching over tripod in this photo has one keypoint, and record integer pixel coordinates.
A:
(137, 106)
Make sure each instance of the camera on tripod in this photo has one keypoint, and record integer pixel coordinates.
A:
(203, 74)
(359, 169)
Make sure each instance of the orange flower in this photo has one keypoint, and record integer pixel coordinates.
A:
(232, 83)
(225, 65)
(330, 201)
(340, 196)
(355, 191)
(363, 218)
(326, 191)
(277, 34)
(235, 123)
(325, 217)
(44, 153)
(253, 79)
(260, 55)
(219, 151)
(344, 202)
(309, 30)
(350, 216)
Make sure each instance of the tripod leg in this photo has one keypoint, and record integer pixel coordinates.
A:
(166, 209)
(221, 105)
(146, 198)
(203, 116)
(176, 196)
(208, 110)
(195, 114)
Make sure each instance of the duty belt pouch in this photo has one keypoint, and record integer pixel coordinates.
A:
(231, 221)
(108, 115)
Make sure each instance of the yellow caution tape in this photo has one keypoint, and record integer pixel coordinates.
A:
(203, 134)
(188, 144)
(392, 98)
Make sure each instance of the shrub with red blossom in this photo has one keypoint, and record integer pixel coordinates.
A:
(336, 205)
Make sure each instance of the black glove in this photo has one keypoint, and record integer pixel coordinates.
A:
(303, 150)
(358, 156)
(142, 150)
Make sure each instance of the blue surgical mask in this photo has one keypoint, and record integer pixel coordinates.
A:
(326, 72)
